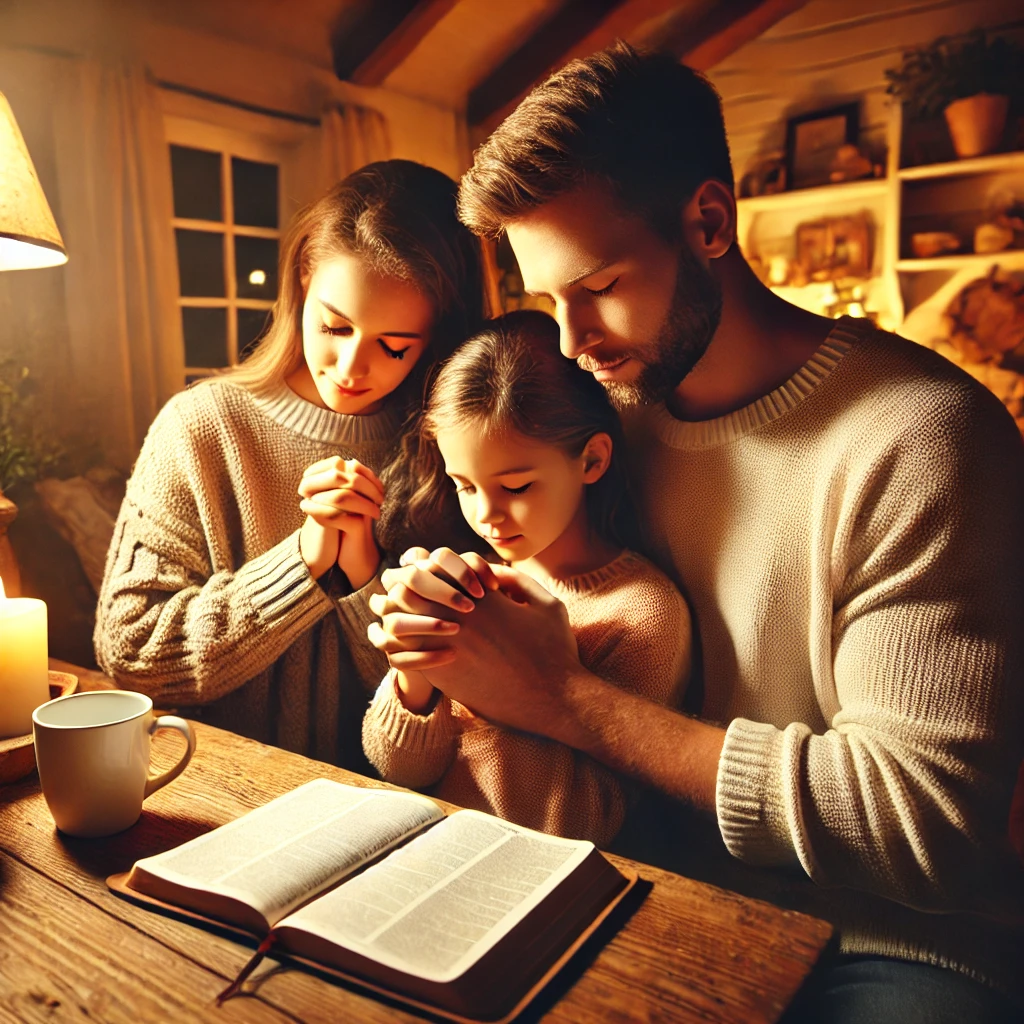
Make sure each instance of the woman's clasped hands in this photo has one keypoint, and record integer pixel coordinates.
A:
(341, 499)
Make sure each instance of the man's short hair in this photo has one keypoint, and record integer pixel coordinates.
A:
(640, 122)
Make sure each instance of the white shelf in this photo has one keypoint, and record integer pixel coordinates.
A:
(970, 165)
(1008, 259)
(847, 191)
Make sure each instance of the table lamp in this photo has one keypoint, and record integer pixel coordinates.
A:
(28, 233)
(28, 238)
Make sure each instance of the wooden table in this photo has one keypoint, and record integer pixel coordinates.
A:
(72, 951)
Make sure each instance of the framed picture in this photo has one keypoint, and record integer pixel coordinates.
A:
(812, 141)
(833, 248)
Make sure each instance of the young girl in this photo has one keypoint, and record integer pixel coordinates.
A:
(524, 442)
(224, 587)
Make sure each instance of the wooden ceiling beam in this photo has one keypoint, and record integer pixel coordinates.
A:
(401, 42)
(701, 35)
(550, 46)
(370, 39)
(705, 41)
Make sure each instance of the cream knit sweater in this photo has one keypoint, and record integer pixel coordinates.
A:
(206, 599)
(851, 545)
(632, 627)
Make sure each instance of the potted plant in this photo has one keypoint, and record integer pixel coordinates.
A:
(971, 79)
(24, 456)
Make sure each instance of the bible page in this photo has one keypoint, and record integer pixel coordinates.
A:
(435, 906)
(276, 857)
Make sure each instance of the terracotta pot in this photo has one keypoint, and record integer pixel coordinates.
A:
(976, 123)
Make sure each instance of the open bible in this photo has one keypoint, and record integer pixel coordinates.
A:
(468, 915)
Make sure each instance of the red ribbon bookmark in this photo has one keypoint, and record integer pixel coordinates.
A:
(236, 985)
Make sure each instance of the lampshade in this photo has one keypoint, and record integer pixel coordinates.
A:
(28, 233)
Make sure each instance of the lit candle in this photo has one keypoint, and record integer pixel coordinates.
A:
(24, 680)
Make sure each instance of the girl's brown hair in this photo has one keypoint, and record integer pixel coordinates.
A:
(509, 377)
(398, 216)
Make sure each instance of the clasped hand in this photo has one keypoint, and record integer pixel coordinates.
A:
(341, 499)
(486, 635)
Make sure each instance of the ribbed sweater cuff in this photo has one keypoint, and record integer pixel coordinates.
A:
(418, 735)
(356, 604)
(279, 585)
(751, 794)
(408, 749)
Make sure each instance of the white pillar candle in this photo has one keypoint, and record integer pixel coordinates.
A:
(24, 679)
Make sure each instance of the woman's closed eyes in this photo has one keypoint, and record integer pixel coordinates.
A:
(345, 331)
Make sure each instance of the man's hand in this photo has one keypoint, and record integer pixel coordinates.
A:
(507, 657)
(512, 659)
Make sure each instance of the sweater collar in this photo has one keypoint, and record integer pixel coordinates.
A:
(582, 583)
(846, 332)
(284, 406)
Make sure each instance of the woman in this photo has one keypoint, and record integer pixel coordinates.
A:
(226, 589)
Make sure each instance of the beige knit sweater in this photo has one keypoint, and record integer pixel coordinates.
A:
(632, 627)
(206, 599)
(852, 548)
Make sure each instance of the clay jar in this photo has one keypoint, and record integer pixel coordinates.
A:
(976, 123)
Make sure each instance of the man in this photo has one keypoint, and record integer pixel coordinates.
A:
(841, 507)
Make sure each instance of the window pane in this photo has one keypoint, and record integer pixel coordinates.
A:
(251, 323)
(200, 262)
(256, 267)
(255, 192)
(195, 174)
(206, 336)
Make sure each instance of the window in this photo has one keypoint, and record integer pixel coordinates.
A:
(227, 230)
(237, 177)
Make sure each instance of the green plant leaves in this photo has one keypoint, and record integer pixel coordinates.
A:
(955, 67)
(25, 454)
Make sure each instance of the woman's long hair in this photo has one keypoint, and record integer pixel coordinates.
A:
(398, 216)
(508, 378)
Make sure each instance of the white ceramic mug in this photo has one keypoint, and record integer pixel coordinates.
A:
(92, 751)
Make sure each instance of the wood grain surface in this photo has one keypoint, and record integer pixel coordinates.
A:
(71, 950)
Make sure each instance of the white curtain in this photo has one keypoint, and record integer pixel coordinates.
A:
(350, 137)
(104, 331)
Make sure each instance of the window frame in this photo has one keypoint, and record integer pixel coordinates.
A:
(217, 127)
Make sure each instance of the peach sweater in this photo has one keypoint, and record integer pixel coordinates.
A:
(632, 627)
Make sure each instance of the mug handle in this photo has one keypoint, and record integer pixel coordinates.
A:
(154, 782)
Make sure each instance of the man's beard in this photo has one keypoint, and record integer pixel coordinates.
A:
(683, 337)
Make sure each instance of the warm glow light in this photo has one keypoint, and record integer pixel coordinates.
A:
(257, 277)
(18, 254)
(28, 234)
(3, 593)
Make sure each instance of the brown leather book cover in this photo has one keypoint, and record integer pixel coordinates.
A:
(431, 997)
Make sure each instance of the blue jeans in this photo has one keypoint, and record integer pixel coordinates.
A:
(878, 990)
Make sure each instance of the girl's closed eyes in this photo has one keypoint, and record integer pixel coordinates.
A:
(468, 488)
(540, 525)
